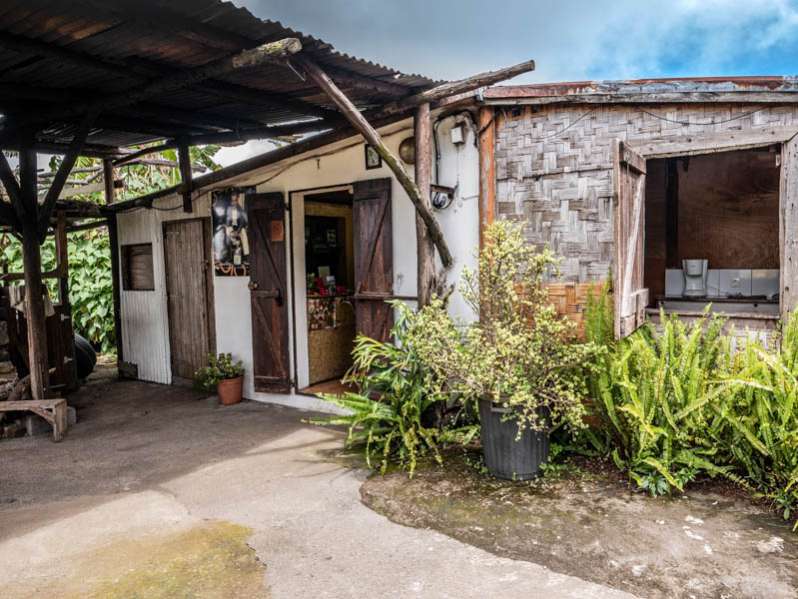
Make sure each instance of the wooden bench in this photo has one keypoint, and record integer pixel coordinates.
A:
(53, 411)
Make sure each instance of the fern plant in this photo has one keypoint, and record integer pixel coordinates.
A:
(761, 419)
(400, 412)
(658, 398)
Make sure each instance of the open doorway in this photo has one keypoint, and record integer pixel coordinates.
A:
(712, 233)
(330, 278)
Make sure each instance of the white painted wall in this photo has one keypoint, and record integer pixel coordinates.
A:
(145, 331)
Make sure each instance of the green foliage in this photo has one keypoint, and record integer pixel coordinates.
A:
(657, 396)
(401, 412)
(519, 353)
(761, 418)
(219, 368)
(90, 282)
(680, 403)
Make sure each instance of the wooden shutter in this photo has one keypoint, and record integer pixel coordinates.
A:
(373, 227)
(268, 291)
(788, 226)
(631, 297)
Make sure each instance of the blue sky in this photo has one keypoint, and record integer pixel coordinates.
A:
(569, 39)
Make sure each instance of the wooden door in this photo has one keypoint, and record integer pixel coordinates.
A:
(788, 226)
(373, 230)
(268, 291)
(631, 296)
(189, 293)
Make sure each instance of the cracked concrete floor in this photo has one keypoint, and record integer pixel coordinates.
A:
(157, 492)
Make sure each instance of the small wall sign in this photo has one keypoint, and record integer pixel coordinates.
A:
(373, 159)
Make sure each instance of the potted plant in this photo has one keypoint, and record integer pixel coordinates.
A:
(519, 361)
(224, 376)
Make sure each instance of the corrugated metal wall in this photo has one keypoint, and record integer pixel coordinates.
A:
(145, 324)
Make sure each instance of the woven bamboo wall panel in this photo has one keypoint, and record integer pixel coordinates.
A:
(554, 167)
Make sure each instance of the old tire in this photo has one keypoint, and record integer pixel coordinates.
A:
(506, 457)
(85, 357)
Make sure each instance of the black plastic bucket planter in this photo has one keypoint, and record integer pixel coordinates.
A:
(506, 457)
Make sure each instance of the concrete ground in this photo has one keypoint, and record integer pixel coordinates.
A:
(157, 492)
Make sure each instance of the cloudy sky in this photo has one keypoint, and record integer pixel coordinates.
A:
(569, 39)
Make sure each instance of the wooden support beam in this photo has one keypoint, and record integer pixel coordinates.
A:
(354, 116)
(255, 97)
(108, 180)
(113, 241)
(453, 88)
(486, 123)
(57, 185)
(425, 248)
(266, 132)
(32, 261)
(270, 52)
(11, 184)
(186, 176)
(144, 152)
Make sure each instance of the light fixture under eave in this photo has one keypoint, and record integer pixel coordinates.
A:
(407, 150)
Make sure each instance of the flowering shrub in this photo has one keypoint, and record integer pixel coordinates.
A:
(519, 353)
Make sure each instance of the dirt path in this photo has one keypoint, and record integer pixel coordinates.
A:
(589, 525)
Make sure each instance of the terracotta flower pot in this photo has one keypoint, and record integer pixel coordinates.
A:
(230, 390)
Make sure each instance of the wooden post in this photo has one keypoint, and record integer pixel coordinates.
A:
(108, 180)
(32, 261)
(113, 242)
(425, 248)
(487, 168)
(68, 367)
(359, 122)
(186, 185)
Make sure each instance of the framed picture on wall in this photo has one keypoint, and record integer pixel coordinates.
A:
(373, 159)
(230, 234)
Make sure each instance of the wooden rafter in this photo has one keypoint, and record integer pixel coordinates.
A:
(453, 88)
(186, 176)
(372, 136)
(57, 184)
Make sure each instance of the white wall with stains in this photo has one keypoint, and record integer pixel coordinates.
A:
(145, 330)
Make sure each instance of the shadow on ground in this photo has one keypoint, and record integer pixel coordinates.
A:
(709, 543)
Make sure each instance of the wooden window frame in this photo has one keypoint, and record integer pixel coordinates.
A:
(786, 137)
(124, 257)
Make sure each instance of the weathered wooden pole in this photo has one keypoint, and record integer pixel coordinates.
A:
(32, 261)
(359, 122)
(108, 180)
(487, 168)
(186, 176)
(425, 248)
(113, 242)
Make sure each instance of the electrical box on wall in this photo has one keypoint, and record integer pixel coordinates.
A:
(457, 134)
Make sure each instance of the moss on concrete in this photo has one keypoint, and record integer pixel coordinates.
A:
(212, 561)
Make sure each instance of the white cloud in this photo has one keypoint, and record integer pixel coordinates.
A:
(569, 39)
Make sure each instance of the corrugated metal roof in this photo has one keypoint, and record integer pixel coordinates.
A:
(706, 89)
(117, 45)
